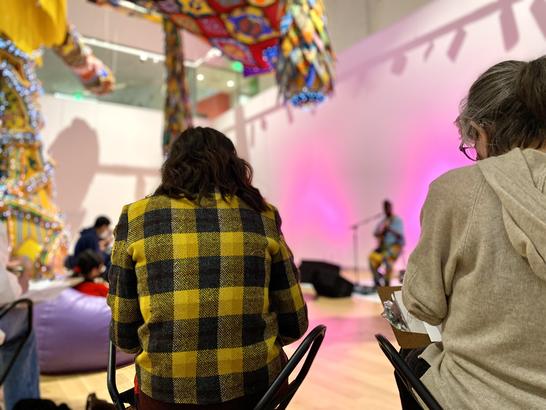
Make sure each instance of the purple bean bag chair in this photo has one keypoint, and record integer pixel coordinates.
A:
(72, 332)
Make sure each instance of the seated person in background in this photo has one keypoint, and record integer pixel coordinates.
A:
(97, 238)
(89, 266)
(479, 269)
(22, 381)
(203, 286)
(390, 234)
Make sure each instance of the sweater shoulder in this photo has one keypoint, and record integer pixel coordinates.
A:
(459, 185)
(460, 178)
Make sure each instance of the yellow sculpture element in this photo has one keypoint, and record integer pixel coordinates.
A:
(32, 24)
(35, 227)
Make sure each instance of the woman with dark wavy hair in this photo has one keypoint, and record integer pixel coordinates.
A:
(203, 286)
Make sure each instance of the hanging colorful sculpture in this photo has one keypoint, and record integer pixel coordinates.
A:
(305, 66)
(177, 111)
(35, 227)
(287, 35)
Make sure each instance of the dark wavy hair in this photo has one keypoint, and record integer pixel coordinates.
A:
(203, 160)
(86, 262)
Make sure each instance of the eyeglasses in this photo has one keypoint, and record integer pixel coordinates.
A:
(469, 151)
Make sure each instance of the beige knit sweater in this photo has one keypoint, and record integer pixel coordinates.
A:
(479, 269)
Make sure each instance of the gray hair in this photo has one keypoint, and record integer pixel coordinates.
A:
(509, 102)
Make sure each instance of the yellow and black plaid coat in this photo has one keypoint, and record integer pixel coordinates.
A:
(206, 295)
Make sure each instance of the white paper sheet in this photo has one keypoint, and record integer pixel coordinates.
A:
(415, 325)
(42, 290)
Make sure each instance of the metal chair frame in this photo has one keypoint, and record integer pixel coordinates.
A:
(21, 340)
(118, 398)
(272, 398)
(412, 382)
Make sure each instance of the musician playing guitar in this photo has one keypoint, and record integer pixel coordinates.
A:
(390, 235)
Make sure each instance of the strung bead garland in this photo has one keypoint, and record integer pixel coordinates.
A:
(35, 228)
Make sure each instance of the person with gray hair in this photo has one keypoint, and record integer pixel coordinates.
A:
(479, 268)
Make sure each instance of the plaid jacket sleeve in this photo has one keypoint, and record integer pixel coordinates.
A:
(123, 297)
(285, 292)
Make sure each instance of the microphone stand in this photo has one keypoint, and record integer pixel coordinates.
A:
(355, 228)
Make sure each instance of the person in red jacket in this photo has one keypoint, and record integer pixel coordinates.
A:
(89, 266)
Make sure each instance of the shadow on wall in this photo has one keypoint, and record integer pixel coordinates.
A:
(76, 153)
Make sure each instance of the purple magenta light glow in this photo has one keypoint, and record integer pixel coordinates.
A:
(383, 134)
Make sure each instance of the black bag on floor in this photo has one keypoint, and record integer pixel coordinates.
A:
(39, 404)
(94, 403)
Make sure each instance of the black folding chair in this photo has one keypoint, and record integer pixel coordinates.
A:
(20, 341)
(412, 382)
(276, 397)
(119, 399)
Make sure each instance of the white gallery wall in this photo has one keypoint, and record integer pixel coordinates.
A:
(107, 155)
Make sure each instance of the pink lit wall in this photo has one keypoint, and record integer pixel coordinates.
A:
(387, 132)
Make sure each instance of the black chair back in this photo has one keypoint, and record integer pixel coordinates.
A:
(119, 399)
(274, 397)
(412, 382)
(19, 341)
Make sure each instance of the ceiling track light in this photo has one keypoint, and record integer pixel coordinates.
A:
(456, 44)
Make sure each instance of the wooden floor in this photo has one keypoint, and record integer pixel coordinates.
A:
(350, 372)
